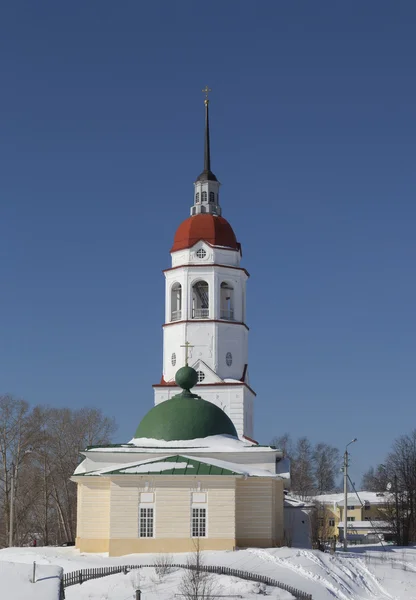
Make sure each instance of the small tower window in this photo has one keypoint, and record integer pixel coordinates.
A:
(201, 376)
(226, 301)
(176, 302)
(229, 359)
(200, 300)
(204, 196)
(173, 359)
(212, 197)
(201, 253)
(197, 198)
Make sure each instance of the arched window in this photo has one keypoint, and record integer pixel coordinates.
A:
(212, 197)
(176, 302)
(200, 300)
(227, 301)
(197, 197)
(204, 196)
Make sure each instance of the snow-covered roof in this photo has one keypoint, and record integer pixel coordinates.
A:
(365, 497)
(213, 443)
(374, 525)
(179, 465)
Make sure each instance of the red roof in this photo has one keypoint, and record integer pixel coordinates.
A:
(216, 231)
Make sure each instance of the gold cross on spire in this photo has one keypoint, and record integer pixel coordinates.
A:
(206, 91)
(186, 345)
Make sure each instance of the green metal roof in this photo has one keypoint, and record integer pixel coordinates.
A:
(185, 418)
(181, 465)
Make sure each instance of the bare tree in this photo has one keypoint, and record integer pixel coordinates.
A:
(40, 447)
(196, 583)
(401, 470)
(302, 469)
(284, 443)
(326, 463)
(375, 480)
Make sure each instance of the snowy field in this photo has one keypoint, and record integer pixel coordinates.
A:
(366, 573)
(16, 581)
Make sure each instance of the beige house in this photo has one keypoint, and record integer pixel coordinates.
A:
(185, 476)
(365, 520)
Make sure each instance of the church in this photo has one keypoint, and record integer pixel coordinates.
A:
(192, 470)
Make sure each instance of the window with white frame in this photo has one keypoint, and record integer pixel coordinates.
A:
(146, 522)
(199, 522)
(211, 197)
(146, 515)
(351, 507)
(331, 522)
(204, 196)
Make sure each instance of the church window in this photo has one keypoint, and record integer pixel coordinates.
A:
(201, 253)
(350, 518)
(173, 359)
(199, 522)
(146, 521)
(200, 300)
(201, 376)
(212, 197)
(227, 302)
(176, 302)
(204, 196)
(197, 197)
(229, 359)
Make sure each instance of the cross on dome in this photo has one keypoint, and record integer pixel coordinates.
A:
(186, 345)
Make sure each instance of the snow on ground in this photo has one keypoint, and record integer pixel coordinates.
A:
(365, 573)
(122, 587)
(16, 581)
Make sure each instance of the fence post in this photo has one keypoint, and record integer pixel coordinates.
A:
(138, 595)
(34, 572)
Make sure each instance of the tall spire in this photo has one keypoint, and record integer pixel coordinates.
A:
(207, 153)
(207, 174)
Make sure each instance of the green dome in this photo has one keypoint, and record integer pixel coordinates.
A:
(185, 418)
(186, 377)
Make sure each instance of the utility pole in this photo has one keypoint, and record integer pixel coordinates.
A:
(346, 492)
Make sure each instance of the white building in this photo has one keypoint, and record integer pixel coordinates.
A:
(206, 306)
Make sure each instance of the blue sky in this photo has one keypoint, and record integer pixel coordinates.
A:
(313, 130)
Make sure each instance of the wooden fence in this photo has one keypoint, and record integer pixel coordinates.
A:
(78, 577)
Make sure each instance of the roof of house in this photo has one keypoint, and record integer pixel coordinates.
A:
(365, 497)
(374, 525)
(180, 465)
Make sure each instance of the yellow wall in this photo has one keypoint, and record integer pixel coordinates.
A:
(93, 510)
(240, 512)
(259, 512)
(173, 505)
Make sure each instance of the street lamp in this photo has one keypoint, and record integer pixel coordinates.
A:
(346, 491)
(13, 479)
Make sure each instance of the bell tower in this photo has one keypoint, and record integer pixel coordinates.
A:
(205, 305)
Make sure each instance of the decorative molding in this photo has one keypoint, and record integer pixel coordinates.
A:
(207, 264)
(207, 321)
